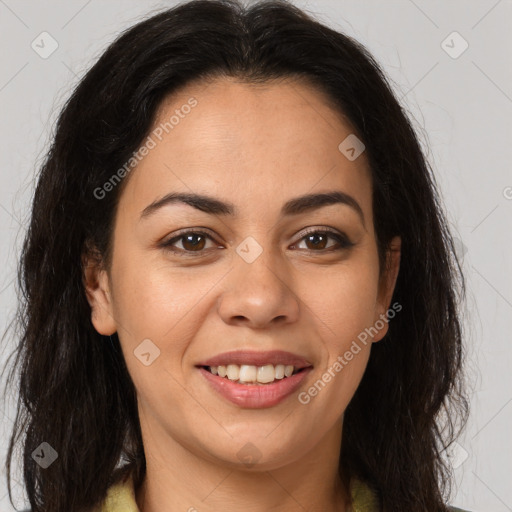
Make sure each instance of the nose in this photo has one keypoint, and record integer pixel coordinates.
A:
(258, 293)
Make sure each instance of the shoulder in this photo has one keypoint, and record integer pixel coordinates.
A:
(364, 498)
(120, 498)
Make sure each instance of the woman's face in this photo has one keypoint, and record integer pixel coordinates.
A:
(253, 279)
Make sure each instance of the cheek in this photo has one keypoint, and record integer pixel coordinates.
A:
(156, 302)
(351, 307)
(151, 304)
(342, 307)
(342, 299)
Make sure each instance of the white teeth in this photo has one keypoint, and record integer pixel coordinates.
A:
(233, 372)
(279, 371)
(245, 373)
(266, 374)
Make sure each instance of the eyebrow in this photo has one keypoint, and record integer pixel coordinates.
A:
(295, 206)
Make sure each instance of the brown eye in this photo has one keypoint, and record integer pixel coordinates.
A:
(316, 241)
(191, 241)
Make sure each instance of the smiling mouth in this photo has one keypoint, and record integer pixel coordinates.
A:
(253, 375)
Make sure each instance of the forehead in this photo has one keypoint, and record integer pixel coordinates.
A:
(251, 143)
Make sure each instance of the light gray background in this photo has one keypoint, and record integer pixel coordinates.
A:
(461, 109)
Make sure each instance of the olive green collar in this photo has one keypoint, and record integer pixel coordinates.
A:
(121, 497)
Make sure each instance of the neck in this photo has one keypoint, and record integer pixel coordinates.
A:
(180, 479)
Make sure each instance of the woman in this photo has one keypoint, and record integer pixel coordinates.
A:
(239, 288)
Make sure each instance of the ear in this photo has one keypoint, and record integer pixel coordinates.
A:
(387, 286)
(97, 290)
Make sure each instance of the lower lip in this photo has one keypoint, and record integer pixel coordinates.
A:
(253, 396)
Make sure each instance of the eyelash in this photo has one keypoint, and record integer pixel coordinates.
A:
(342, 239)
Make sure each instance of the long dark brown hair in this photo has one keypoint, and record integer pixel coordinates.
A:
(75, 391)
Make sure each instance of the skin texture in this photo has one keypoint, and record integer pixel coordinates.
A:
(256, 147)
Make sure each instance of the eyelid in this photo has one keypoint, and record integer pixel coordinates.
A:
(341, 237)
(167, 244)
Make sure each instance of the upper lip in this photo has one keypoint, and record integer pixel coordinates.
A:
(257, 358)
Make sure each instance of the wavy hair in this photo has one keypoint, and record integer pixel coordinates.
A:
(75, 391)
